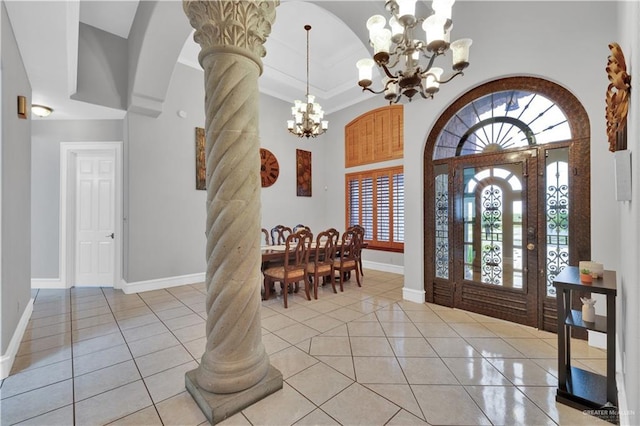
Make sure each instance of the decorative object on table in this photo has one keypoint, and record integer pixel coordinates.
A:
(617, 99)
(592, 268)
(308, 115)
(588, 309)
(303, 173)
(416, 77)
(585, 276)
(201, 161)
(269, 168)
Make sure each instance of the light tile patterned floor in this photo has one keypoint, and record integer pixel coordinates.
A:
(96, 356)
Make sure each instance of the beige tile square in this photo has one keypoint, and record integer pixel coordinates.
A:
(93, 332)
(319, 383)
(196, 347)
(104, 379)
(284, 407)
(36, 402)
(91, 362)
(77, 324)
(435, 329)
(44, 343)
(296, 333)
(237, 419)
(357, 328)
(137, 333)
(455, 315)
(147, 417)
(506, 329)
(493, 347)
(545, 398)
(40, 359)
(138, 321)
(400, 329)
(404, 418)
(401, 395)
(97, 344)
(330, 345)
(32, 333)
(472, 329)
(35, 378)
(277, 322)
(475, 371)
(291, 361)
(323, 323)
(448, 405)
(359, 405)
(180, 410)
(317, 418)
(153, 344)
(370, 346)
(524, 372)
(345, 314)
(176, 310)
(427, 371)
(169, 382)
(112, 405)
(342, 364)
(452, 347)
(411, 347)
(392, 313)
(162, 360)
(273, 343)
(493, 400)
(184, 321)
(60, 417)
(378, 370)
(534, 348)
(301, 314)
(340, 330)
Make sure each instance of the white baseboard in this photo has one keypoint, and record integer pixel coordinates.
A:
(160, 283)
(53, 283)
(626, 417)
(384, 267)
(417, 296)
(6, 360)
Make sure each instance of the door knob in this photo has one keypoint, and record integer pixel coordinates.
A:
(112, 235)
(531, 246)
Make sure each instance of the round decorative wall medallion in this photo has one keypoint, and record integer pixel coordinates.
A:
(269, 168)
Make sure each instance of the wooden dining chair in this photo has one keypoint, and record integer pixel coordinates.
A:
(279, 234)
(359, 229)
(294, 270)
(267, 239)
(300, 226)
(321, 266)
(347, 262)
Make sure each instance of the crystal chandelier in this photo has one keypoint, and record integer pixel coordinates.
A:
(416, 57)
(307, 116)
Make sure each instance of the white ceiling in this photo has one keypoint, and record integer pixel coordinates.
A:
(51, 61)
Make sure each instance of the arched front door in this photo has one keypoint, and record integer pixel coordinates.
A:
(506, 199)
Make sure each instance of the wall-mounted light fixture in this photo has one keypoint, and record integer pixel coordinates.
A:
(41, 110)
(22, 107)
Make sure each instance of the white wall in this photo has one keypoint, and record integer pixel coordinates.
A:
(628, 320)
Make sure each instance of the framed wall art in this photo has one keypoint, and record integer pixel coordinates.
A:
(303, 173)
(201, 162)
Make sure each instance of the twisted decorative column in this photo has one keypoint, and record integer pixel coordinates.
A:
(231, 34)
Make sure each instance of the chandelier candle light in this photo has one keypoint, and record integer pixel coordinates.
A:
(416, 77)
(307, 116)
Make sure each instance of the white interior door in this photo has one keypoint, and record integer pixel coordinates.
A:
(95, 224)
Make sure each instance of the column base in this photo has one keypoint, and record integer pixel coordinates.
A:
(217, 406)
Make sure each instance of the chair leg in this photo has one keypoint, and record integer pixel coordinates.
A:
(267, 288)
(360, 263)
(332, 280)
(285, 290)
(358, 276)
(341, 280)
(306, 286)
(315, 285)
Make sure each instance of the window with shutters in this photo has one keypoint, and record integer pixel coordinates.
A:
(375, 200)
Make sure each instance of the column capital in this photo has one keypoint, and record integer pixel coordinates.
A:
(238, 24)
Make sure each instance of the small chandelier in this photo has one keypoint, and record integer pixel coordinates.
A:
(307, 116)
(416, 77)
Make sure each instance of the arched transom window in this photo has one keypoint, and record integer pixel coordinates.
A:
(500, 121)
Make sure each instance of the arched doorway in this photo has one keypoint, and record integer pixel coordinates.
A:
(506, 199)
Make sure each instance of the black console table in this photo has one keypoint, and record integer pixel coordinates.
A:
(578, 388)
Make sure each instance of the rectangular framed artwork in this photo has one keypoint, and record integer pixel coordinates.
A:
(303, 173)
